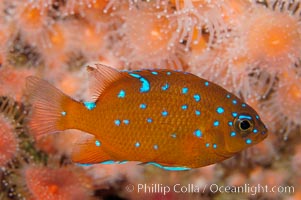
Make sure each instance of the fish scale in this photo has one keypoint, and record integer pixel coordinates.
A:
(171, 119)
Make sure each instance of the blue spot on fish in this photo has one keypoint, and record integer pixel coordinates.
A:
(168, 73)
(255, 131)
(232, 134)
(206, 83)
(198, 133)
(165, 87)
(184, 90)
(155, 73)
(234, 114)
(174, 135)
(197, 112)
(90, 105)
(156, 147)
(214, 146)
(126, 121)
(220, 110)
(97, 143)
(207, 145)
(117, 122)
(243, 105)
(121, 94)
(216, 123)
(164, 113)
(63, 113)
(228, 96)
(197, 97)
(184, 107)
(234, 101)
(137, 144)
(143, 106)
(135, 75)
(248, 141)
(145, 83)
(230, 123)
(149, 120)
(244, 117)
(257, 117)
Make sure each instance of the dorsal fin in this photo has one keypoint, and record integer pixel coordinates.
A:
(101, 76)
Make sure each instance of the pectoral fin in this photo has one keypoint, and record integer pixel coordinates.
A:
(89, 151)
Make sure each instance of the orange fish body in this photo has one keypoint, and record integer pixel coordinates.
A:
(167, 118)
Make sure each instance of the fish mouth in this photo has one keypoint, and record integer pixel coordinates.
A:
(261, 135)
(264, 132)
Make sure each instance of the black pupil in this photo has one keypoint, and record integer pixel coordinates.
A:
(244, 125)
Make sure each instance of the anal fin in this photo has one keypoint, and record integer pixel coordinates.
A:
(89, 151)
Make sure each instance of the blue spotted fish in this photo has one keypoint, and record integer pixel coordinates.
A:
(170, 119)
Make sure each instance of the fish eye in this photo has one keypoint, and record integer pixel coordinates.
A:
(244, 124)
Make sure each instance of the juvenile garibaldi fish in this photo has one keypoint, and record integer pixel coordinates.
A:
(170, 119)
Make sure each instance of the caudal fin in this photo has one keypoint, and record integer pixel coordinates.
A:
(49, 107)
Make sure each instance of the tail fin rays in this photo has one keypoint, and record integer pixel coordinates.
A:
(48, 106)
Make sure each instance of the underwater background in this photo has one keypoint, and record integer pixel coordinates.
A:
(251, 48)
